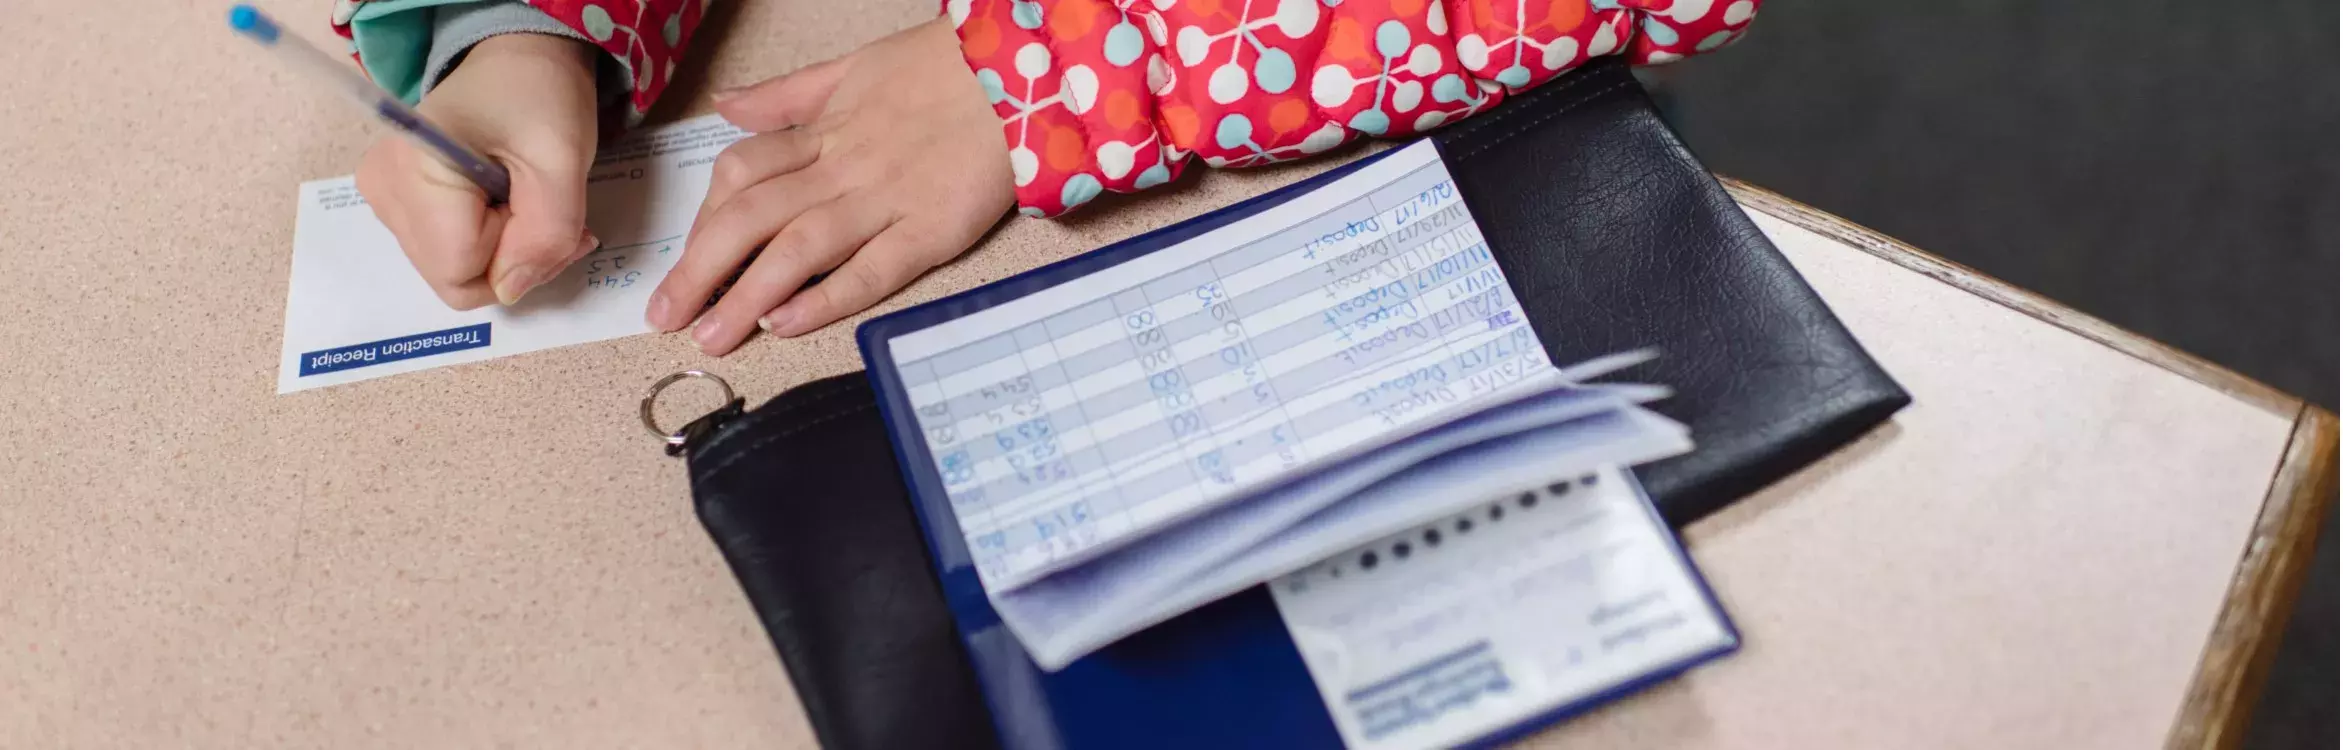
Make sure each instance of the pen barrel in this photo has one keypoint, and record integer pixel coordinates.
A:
(343, 78)
(492, 179)
(333, 73)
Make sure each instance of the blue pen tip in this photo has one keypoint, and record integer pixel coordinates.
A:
(249, 21)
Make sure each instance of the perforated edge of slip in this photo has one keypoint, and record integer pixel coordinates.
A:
(1429, 538)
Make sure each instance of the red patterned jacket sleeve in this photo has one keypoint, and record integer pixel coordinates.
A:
(647, 36)
(1098, 95)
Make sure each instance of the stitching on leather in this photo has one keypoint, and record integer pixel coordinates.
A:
(769, 439)
(1541, 120)
(1542, 93)
(757, 418)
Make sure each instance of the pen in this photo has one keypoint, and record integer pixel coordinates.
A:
(258, 27)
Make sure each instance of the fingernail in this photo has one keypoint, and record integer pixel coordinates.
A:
(777, 321)
(723, 94)
(706, 332)
(587, 244)
(515, 282)
(657, 316)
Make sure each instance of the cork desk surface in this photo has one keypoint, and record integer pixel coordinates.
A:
(2074, 538)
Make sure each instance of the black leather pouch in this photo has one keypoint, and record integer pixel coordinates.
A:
(1614, 238)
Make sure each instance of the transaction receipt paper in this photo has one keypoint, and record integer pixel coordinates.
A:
(1083, 416)
(357, 310)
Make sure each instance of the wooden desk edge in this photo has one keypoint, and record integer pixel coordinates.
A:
(2244, 641)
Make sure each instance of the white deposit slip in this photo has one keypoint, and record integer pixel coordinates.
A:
(357, 310)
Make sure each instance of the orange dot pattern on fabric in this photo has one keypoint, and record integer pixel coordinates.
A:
(1288, 115)
(1122, 109)
(1346, 42)
(1181, 121)
(1065, 148)
(1072, 20)
(980, 37)
(1118, 95)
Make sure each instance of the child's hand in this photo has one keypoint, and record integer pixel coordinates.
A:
(897, 165)
(527, 102)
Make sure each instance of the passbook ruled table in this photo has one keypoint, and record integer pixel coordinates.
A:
(494, 554)
(1125, 398)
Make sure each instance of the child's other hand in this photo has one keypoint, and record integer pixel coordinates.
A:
(526, 101)
(896, 166)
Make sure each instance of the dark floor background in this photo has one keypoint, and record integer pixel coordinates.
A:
(2167, 165)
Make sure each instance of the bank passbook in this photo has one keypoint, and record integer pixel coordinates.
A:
(1130, 434)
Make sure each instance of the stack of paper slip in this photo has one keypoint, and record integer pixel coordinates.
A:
(1567, 429)
(1128, 435)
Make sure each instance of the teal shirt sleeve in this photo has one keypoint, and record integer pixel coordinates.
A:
(393, 38)
(409, 45)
